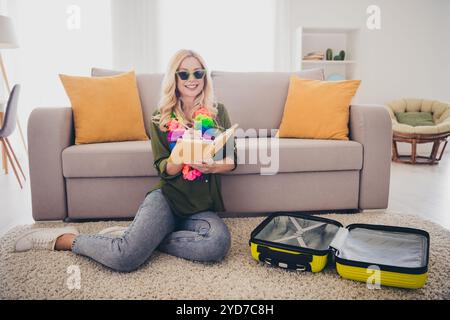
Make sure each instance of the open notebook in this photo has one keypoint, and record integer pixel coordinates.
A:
(199, 150)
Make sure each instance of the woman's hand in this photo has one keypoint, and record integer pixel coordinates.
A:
(221, 166)
(176, 155)
(175, 163)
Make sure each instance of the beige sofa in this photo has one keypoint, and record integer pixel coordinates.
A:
(110, 180)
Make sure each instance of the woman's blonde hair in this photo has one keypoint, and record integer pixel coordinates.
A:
(170, 97)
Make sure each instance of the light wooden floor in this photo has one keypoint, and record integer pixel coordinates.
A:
(418, 190)
(422, 190)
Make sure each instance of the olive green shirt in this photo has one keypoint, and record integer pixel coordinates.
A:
(187, 197)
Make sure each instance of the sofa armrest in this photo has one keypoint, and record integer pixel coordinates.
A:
(50, 131)
(371, 126)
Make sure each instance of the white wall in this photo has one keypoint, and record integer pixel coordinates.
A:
(441, 52)
(408, 57)
(48, 47)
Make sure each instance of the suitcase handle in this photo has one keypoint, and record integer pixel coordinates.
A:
(299, 262)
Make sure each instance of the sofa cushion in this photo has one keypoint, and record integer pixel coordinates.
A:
(112, 159)
(415, 119)
(135, 158)
(317, 109)
(105, 109)
(299, 155)
(255, 100)
(149, 85)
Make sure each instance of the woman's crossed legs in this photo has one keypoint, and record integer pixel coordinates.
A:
(201, 237)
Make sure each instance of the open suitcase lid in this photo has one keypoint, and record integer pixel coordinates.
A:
(395, 249)
(293, 231)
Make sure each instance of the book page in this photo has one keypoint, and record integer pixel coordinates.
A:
(192, 150)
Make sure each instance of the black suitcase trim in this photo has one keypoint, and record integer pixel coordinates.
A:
(296, 214)
(291, 261)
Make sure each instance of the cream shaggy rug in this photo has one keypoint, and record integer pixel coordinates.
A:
(50, 275)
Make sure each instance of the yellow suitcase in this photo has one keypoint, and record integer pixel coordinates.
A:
(376, 254)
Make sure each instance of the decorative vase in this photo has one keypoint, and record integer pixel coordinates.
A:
(329, 54)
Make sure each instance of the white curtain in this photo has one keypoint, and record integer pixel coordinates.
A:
(283, 37)
(135, 32)
(232, 35)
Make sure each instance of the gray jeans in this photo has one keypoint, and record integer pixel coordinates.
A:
(200, 237)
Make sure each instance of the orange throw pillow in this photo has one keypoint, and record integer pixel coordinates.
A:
(105, 109)
(317, 109)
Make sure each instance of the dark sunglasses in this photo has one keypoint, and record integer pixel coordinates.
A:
(198, 74)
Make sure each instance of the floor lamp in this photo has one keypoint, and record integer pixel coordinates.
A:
(8, 40)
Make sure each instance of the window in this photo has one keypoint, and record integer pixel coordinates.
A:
(51, 42)
(232, 35)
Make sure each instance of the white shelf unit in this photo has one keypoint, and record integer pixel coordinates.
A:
(326, 62)
(308, 40)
